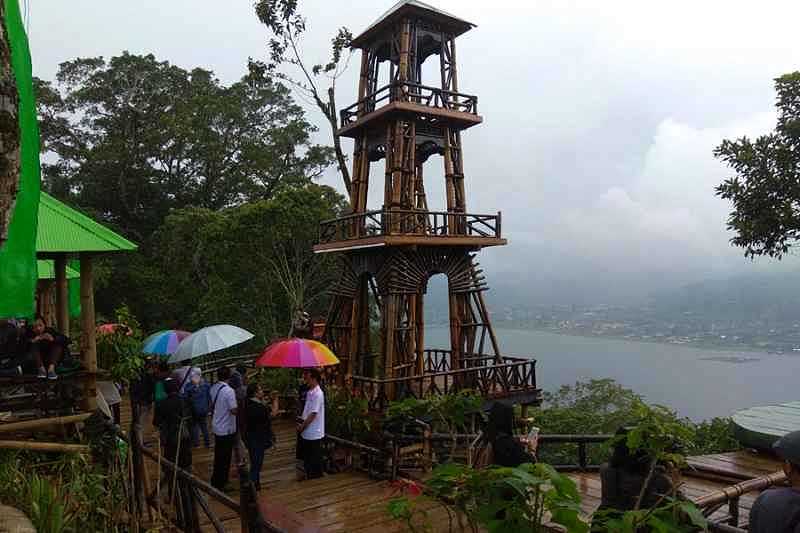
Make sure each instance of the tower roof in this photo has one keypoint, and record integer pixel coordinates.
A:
(403, 8)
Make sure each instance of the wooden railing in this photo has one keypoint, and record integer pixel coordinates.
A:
(729, 496)
(188, 492)
(440, 360)
(409, 222)
(490, 381)
(405, 91)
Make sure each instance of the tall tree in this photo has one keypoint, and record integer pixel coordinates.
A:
(135, 137)
(765, 191)
(212, 266)
(288, 26)
(9, 131)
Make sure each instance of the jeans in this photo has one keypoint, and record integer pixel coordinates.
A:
(256, 449)
(200, 423)
(223, 448)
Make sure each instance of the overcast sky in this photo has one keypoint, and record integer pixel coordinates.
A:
(599, 117)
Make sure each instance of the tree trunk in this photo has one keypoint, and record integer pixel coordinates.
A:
(341, 160)
(9, 131)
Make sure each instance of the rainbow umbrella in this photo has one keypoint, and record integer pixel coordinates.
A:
(164, 342)
(297, 353)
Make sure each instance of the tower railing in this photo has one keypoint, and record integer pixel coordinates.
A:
(490, 379)
(411, 92)
(409, 222)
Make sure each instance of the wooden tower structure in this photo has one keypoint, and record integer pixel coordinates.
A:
(390, 253)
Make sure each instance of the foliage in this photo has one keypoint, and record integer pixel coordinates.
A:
(211, 267)
(764, 189)
(282, 380)
(499, 498)
(135, 137)
(63, 492)
(714, 436)
(120, 352)
(661, 437)
(602, 406)
(659, 434)
(444, 412)
(346, 414)
(672, 516)
(287, 27)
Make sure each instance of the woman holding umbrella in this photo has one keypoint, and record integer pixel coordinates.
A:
(258, 430)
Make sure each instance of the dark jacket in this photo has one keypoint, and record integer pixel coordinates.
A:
(174, 420)
(776, 511)
(258, 423)
(58, 338)
(143, 389)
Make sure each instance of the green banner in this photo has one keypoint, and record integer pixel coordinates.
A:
(18, 271)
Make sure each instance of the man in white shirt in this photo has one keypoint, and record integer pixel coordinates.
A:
(312, 426)
(223, 425)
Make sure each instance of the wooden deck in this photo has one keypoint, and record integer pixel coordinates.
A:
(348, 501)
(707, 474)
(351, 501)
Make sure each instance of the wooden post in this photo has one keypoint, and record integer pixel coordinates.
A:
(62, 298)
(88, 333)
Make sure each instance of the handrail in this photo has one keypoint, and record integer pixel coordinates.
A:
(401, 91)
(410, 222)
(442, 374)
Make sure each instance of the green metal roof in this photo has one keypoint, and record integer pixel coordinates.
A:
(47, 270)
(63, 229)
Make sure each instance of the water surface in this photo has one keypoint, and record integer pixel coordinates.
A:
(697, 383)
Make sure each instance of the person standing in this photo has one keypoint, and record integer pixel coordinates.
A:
(198, 393)
(258, 433)
(223, 425)
(311, 428)
(173, 418)
(777, 510)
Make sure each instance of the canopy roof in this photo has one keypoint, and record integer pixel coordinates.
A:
(65, 230)
(449, 22)
(47, 270)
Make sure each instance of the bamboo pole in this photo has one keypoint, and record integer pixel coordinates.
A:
(62, 298)
(734, 491)
(43, 446)
(43, 422)
(88, 346)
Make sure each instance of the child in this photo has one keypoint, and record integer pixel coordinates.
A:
(197, 392)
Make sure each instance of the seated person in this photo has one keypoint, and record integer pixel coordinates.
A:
(47, 346)
(11, 350)
(623, 476)
(502, 448)
(777, 510)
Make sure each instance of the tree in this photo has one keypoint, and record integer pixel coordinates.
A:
(765, 191)
(134, 138)
(206, 267)
(287, 27)
(9, 131)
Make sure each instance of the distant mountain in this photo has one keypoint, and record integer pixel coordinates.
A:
(771, 297)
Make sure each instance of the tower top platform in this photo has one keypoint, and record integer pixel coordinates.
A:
(450, 23)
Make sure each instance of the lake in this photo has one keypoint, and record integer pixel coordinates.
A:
(696, 383)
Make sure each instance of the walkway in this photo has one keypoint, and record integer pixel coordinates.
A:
(351, 501)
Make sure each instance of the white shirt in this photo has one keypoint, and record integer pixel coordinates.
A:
(315, 403)
(223, 422)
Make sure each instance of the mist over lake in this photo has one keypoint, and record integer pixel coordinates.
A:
(696, 383)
